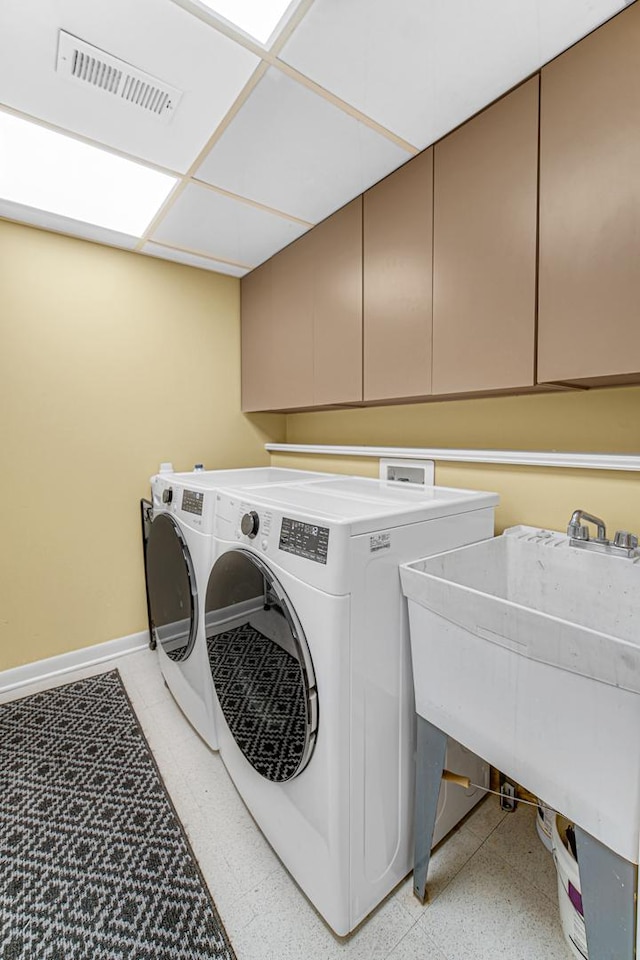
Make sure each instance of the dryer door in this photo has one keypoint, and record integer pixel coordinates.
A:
(171, 586)
(261, 666)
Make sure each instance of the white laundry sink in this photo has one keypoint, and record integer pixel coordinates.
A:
(527, 650)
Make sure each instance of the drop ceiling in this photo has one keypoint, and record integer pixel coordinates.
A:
(266, 140)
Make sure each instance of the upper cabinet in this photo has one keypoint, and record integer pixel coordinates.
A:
(504, 258)
(277, 334)
(397, 263)
(334, 272)
(589, 314)
(485, 232)
(302, 320)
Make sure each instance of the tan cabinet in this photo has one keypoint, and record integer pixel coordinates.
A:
(302, 320)
(335, 276)
(397, 298)
(485, 229)
(277, 337)
(589, 302)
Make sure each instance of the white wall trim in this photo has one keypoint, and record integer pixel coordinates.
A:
(74, 660)
(524, 458)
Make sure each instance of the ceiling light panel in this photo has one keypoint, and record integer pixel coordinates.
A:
(192, 260)
(420, 69)
(71, 228)
(219, 226)
(292, 150)
(257, 18)
(156, 37)
(55, 173)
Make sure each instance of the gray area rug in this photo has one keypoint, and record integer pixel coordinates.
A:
(94, 862)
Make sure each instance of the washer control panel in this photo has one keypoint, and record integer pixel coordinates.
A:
(192, 502)
(304, 539)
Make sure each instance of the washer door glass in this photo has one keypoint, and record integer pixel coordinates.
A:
(171, 586)
(261, 666)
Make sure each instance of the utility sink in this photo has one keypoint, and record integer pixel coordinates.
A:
(527, 651)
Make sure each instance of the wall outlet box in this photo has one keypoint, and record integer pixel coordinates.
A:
(421, 472)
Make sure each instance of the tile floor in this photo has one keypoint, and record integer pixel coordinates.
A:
(492, 884)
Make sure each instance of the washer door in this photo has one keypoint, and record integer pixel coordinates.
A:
(171, 587)
(261, 666)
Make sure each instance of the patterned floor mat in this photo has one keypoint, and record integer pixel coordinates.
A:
(94, 862)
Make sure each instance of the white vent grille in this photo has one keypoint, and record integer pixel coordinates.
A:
(83, 63)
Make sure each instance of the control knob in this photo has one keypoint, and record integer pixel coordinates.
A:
(167, 495)
(250, 524)
(626, 540)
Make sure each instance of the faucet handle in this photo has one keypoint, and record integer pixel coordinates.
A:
(626, 540)
(578, 531)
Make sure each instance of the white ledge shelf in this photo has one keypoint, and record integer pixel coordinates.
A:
(524, 458)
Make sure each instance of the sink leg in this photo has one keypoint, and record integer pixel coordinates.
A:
(609, 886)
(431, 749)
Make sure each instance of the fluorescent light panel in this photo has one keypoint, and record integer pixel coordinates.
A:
(49, 171)
(258, 18)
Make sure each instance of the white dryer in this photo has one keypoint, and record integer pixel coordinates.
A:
(309, 652)
(178, 559)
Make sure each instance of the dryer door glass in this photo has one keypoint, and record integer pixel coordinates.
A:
(171, 586)
(261, 666)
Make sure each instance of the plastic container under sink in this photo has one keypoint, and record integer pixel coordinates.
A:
(545, 816)
(569, 890)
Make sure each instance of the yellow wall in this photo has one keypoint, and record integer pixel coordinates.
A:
(596, 421)
(110, 362)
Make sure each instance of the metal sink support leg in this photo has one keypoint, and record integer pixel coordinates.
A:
(431, 749)
(609, 885)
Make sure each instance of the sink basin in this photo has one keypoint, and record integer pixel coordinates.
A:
(527, 651)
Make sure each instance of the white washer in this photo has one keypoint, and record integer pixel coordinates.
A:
(310, 656)
(179, 555)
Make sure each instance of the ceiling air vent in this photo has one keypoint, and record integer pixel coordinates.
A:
(81, 62)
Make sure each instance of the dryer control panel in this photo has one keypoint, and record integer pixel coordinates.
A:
(304, 539)
(192, 502)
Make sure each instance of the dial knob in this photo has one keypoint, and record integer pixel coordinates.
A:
(625, 539)
(250, 524)
(167, 495)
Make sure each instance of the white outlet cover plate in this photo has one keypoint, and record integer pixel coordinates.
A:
(428, 466)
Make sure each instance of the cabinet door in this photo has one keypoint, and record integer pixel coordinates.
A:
(334, 275)
(589, 319)
(256, 311)
(277, 334)
(485, 229)
(302, 320)
(397, 252)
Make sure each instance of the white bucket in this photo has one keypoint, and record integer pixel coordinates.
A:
(569, 890)
(544, 824)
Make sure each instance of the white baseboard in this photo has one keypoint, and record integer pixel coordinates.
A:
(74, 660)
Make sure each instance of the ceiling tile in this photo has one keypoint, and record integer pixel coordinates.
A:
(374, 55)
(58, 224)
(420, 69)
(156, 36)
(292, 150)
(191, 260)
(482, 50)
(207, 222)
(562, 22)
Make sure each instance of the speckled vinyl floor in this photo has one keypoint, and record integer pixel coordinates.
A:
(492, 884)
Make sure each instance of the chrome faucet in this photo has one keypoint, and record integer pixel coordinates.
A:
(624, 544)
(579, 531)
